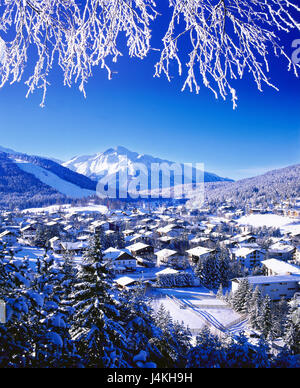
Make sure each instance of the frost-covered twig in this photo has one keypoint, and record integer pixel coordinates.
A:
(78, 37)
(226, 38)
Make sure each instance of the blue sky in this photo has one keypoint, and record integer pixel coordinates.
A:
(150, 115)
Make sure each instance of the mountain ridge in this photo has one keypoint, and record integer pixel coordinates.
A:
(116, 159)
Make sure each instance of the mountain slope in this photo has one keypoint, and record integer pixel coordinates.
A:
(34, 181)
(273, 186)
(119, 159)
(18, 188)
(49, 178)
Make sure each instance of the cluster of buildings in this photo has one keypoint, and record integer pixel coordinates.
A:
(168, 237)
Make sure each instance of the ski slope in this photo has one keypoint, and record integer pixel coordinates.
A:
(52, 180)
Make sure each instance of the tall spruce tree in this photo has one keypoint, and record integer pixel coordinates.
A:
(99, 336)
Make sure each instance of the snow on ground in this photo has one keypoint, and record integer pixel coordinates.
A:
(198, 307)
(52, 180)
(285, 224)
(68, 209)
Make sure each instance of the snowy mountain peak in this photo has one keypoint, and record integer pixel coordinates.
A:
(117, 159)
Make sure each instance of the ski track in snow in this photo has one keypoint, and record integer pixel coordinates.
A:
(213, 321)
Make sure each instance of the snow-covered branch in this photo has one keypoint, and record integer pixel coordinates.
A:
(225, 39)
(78, 37)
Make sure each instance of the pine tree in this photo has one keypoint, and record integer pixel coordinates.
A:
(292, 329)
(99, 335)
(265, 318)
(141, 331)
(207, 353)
(14, 334)
(254, 308)
(240, 297)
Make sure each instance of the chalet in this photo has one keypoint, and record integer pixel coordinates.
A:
(120, 259)
(172, 230)
(295, 238)
(141, 249)
(128, 232)
(98, 226)
(167, 271)
(70, 230)
(127, 282)
(244, 239)
(165, 240)
(28, 232)
(199, 253)
(76, 248)
(8, 237)
(203, 241)
(134, 239)
(166, 257)
(55, 244)
(276, 287)
(248, 257)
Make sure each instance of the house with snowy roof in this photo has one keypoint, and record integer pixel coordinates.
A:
(77, 248)
(199, 253)
(120, 259)
(141, 249)
(282, 251)
(166, 257)
(274, 267)
(248, 257)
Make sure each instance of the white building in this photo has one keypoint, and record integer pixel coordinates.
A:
(165, 256)
(120, 259)
(282, 251)
(199, 253)
(275, 267)
(248, 257)
(277, 287)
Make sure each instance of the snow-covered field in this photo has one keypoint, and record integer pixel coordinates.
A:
(54, 181)
(69, 209)
(285, 224)
(196, 308)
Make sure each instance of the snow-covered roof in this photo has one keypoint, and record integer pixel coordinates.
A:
(271, 279)
(167, 271)
(70, 246)
(199, 251)
(243, 252)
(125, 281)
(166, 238)
(6, 233)
(114, 254)
(165, 253)
(281, 248)
(138, 246)
(281, 267)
